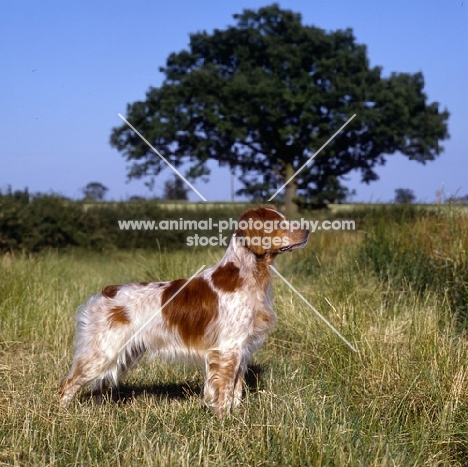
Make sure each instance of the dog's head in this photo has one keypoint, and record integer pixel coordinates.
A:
(264, 230)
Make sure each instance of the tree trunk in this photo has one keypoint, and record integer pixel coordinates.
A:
(290, 192)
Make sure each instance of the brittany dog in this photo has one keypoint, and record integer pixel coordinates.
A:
(219, 318)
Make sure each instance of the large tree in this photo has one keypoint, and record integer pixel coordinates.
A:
(265, 94)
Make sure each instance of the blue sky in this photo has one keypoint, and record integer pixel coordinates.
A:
(68, 68)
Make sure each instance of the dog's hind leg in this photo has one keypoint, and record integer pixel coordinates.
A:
(126, 361)
(85, 369)
(100, 369)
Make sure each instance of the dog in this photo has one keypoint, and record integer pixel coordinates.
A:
(218, 318)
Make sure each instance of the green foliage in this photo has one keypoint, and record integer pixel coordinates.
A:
(175, 189)
(265, 94)
(404, 195)
(40, 222)
(11, 203)
(49, 221)
(95, 191)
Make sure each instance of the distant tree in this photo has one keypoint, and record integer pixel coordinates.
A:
(95, 191)
(264, 95)
(175, 189)
(17, 195)
(404, 195)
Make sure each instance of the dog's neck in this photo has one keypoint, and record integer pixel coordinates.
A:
(250, 264)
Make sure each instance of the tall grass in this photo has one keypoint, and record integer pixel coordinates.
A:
(428, 252)
(401, 400)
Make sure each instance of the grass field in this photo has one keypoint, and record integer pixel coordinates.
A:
(396, 290)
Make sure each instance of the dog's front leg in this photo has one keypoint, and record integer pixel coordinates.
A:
(211, 388)
(224, 376)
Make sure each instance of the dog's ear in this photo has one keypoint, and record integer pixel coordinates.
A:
(250, 240)
(244, 234)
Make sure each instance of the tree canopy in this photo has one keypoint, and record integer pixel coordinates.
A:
(404, 196)
(175, 189)
(95, 191)
(263, 95)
